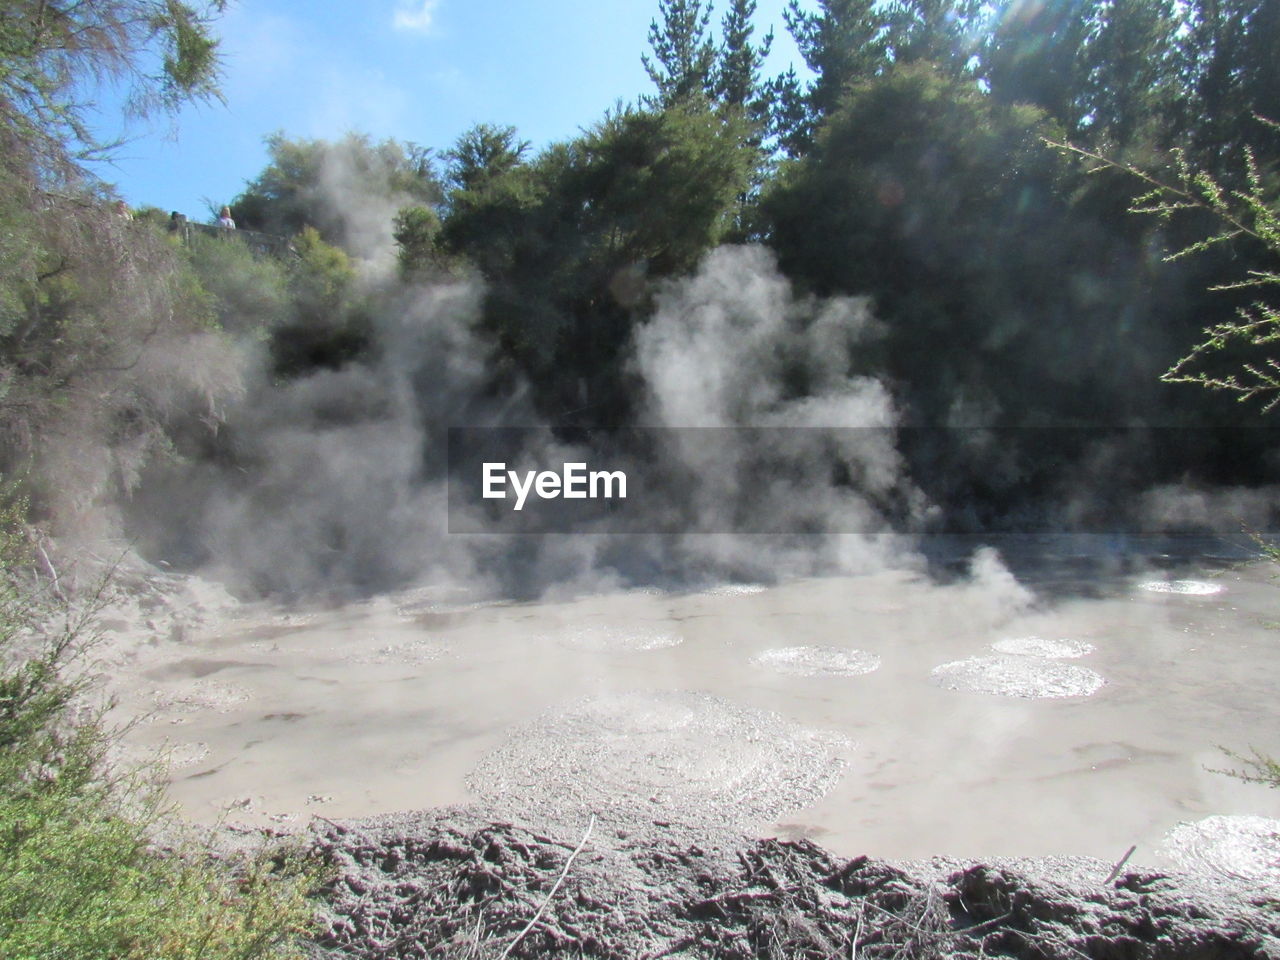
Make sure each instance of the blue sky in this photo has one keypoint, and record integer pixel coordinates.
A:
(416, 70)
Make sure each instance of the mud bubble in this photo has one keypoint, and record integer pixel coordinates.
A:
(1062, 649)
(409, 652)
(1010, 676)
(1246, 848)
(1185, 588)
(735, 590)
(201, 695)
(817, 661)
(666, 753)
(618, 640)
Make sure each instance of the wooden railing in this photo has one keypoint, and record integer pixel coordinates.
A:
(263, 244)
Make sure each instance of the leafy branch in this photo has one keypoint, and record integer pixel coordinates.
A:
(1257, 767)
(1248, 212)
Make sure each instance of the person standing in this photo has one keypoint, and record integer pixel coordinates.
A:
(224, 219)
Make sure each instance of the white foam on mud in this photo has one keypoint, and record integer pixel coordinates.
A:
(186, 754)
(1185, 588)
(1061, 649)
(1009, 676)
(619, 640)
(411, 651)
(736, 590)
(201, 695)
(817, 661)
(1246, 848)
(665, 753)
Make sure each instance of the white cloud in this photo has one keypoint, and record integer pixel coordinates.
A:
(415, 15)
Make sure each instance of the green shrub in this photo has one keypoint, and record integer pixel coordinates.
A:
(1257, 767)
(82, 876)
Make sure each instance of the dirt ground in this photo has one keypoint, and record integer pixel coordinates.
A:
(450, 883)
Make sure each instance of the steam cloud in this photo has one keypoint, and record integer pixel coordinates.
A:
(336, 480)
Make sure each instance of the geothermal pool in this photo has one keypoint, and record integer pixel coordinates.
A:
(889, 714)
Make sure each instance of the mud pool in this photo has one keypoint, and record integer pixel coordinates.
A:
(887, 714)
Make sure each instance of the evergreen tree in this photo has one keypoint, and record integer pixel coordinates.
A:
(1034, 55)
(841, 42)
(737, 75)
(1232, 73)
(1132, 79)
(683, 63)
(942, 32)
(788, 117)
(482, 154)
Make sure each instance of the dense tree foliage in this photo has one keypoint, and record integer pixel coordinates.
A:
(100, 317)
(306, 181)
(570, 241)
(51, 53)
(908, 164)
(1013, 288)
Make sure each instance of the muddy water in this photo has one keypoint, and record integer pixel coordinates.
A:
(883, 714)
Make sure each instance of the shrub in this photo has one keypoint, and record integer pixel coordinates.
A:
(82, 876)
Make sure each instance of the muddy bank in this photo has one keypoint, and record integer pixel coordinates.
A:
(452, 883)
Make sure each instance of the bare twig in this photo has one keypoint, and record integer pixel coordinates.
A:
(554, 887)
(51, 572)
(1115, 871)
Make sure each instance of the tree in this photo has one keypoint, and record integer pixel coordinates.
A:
(417, 233)
(737, 72)
(248, 293)
(1246, 219)
(1231, 73)
(943, 32)
(483, 154)
(52, 53)
(1007, 289)
(570, 242)
(329, 326)
(788, 122)
(842, 41)
(1034, 55)
(313, 183)
(683, 61)
(1133, 72)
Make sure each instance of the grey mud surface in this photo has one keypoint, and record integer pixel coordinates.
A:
(455, 883)
(764, 696)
